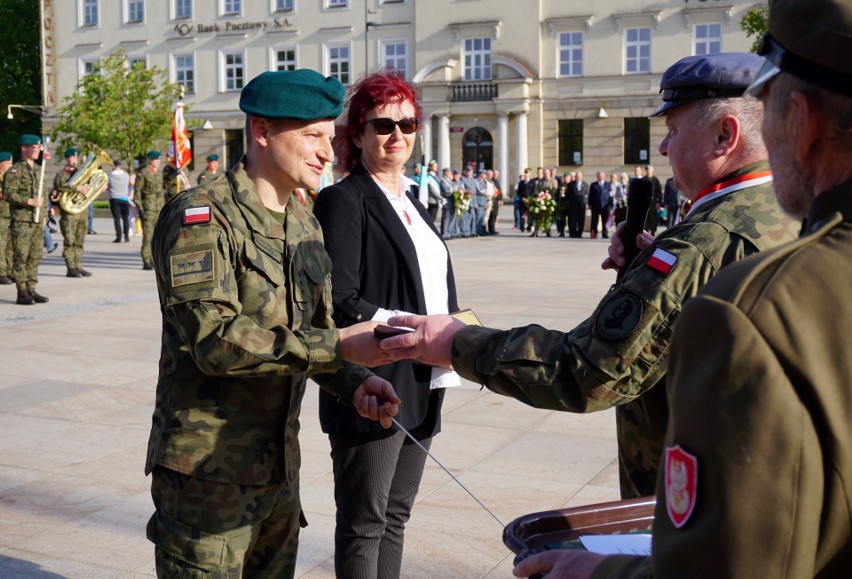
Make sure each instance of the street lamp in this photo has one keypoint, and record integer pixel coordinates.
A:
(36, 110)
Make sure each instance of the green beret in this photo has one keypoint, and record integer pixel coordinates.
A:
(153, 155)
(212, 157)
(29, 140)
(301, 94)
(70, 152)
(5, 156)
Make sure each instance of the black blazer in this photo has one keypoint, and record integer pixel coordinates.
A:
(374, 265)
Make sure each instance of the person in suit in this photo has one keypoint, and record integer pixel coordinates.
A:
(578, 196)
(600, 201)
(387, 257)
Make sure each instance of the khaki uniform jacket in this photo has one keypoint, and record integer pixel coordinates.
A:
(618, 355)
(148, 190)
(761, 395)
(206, 175)
(19, 185)
(4, 203)
(246, 307)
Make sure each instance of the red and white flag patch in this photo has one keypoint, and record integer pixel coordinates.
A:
(196, 215)
(681, 484)
(662, 261)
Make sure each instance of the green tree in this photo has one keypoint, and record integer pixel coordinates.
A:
(754, 24)
(20, 70)
(129, 111)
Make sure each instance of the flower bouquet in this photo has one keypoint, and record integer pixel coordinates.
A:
(461, 201)
(543, 208)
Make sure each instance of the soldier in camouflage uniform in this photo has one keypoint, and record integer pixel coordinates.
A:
(20, 188)
(212, 170)
(73, 226)
(5, 224)
(619, 356)
(150, 198)
(244, 288)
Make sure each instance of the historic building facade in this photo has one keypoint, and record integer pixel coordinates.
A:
(505, 84)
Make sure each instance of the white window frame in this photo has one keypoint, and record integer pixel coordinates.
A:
(708, 40)
(127, 19)
(85, 63)
(336, 4)
(223, 8)
(571, 48)
(175, 70)
(174, 9)
(468, 69)
(328, 62)
(224, 68)
(273, 55)
(637, 45)
(276, 10)
(82, 12)
(130, 58)
(392, 2)
(384, 43)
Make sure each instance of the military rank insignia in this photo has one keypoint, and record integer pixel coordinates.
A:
(681, 484)
(662, 261)
(191, 268)
(192, 215)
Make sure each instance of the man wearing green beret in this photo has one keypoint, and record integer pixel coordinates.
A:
(5, 224)
(243, 279)
(212, 170)
(150, 198)
(73, 226)
(21, 189)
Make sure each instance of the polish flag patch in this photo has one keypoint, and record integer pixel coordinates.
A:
(662, 261)
(681, 484)
(196, 215)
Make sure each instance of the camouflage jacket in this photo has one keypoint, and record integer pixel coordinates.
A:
(206, 175)
(19, 185)
(59, 180)
(148, 190)
(618, 355)
(246, 307)
(4, 204)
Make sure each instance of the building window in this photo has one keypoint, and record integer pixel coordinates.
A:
(234, 146)
(283, 6)
(708, 38)
(233, 71)
(477, 58)
(391, 1)
(336, 3)
(284, 58)
(637, 140)
(183, 8)
(638, 50)
(184, 71)
(88, 66)
(135, 10)
(571, 142)
(232, 7)
(134, 60)
(337, 63)
(570, 54)
(90, 13)
(394, 54)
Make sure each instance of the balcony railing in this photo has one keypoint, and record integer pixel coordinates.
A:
(472, 91)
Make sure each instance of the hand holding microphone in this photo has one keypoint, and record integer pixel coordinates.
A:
(639, 196)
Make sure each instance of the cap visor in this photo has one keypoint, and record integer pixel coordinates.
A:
(764, 75)
(666, 107)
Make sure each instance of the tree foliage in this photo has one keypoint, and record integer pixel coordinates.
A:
(129, 111)
(754, 24)
(20, 70)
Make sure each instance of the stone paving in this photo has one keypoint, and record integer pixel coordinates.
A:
(77, 380)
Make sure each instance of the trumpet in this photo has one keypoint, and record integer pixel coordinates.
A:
(91, 178)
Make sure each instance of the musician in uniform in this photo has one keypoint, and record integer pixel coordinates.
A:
(211, 171)
(5, 224)
(149, 197)
(73, 226)
(21, 189)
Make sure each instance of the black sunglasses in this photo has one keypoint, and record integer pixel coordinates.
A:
(385, 126)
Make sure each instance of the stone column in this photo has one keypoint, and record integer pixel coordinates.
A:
(444, 142)
(503, 146)
(521, 143)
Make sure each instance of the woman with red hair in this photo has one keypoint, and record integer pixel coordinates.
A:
(387, 258)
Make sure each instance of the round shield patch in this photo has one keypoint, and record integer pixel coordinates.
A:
(619, 316)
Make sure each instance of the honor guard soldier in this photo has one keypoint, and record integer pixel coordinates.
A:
(73, 226)
(211, 171)
(243, 279)
(148, 192)
(28, 214)
(5, 224)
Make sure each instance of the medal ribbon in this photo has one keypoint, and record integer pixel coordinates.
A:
(713, 192)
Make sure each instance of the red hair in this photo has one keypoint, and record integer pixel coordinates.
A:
(373, 90)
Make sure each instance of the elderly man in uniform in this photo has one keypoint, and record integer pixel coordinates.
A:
(760, 429)
(73, 226)
(244, 287)
(619, 356)
(211, 171)
(149, 196)
(5, 224)
(20, 188)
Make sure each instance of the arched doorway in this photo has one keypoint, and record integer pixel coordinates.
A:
(478, 149)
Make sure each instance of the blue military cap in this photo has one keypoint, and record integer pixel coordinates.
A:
(706, 76)
(212, 157)
(70, 152)
(301, 94)
(5, 156)
(153, 155)
(29, 140)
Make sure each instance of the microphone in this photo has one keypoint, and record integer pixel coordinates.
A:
(639, 195)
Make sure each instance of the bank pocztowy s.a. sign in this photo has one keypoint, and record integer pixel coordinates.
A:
(186, 29)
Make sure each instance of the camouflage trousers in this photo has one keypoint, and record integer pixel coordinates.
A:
(27, 246)
(6, 254)
(212, 530)
(148, 223)
(73, 228)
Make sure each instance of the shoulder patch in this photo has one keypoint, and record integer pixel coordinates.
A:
(191, 268)
(13, 170)
(192, 215)
(662, 261)
(619, 316)
(681, 476)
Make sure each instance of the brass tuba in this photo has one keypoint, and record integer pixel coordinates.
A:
(88, 175)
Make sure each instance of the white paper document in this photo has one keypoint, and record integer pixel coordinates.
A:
(633, 544)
